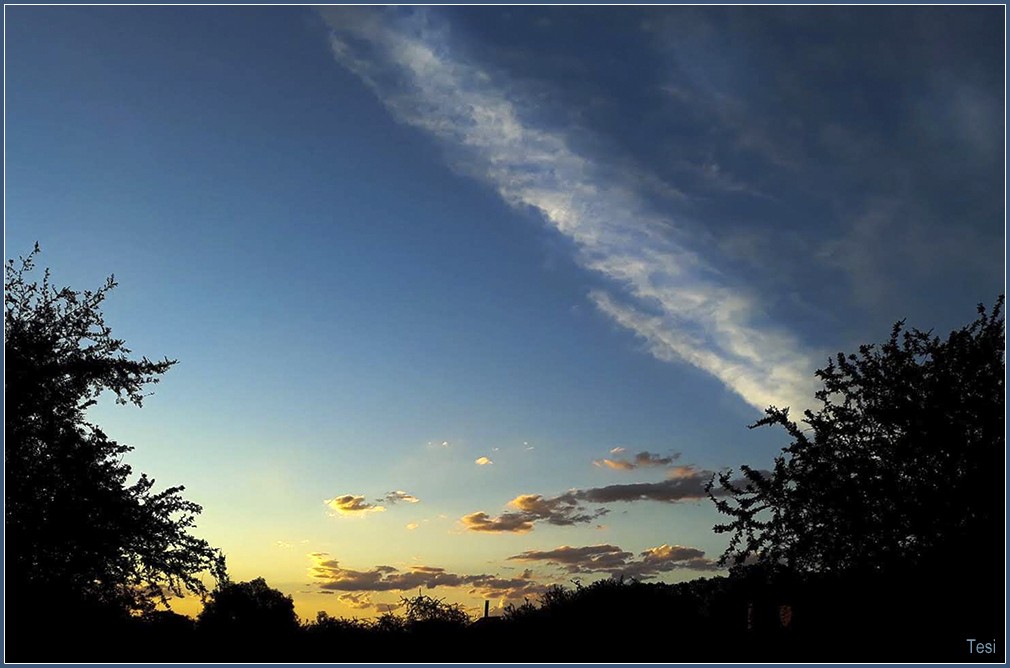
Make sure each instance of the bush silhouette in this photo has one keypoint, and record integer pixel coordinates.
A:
(424, 610)
(250, 608)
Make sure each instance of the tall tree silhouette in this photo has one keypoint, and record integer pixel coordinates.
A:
(902, 466)
(78, 534)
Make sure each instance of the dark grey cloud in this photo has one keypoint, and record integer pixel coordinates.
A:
(643, 459)
(684, 483)
(616, 562)
(330, 576)
(588, 559)
(687, 488)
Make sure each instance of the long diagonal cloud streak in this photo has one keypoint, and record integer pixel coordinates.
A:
(684, 309)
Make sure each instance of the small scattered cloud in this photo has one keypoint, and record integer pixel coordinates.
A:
(482, 461)
(358, 601)
(617, 562)
(330, 576)
(413, 525)
(398, 496)
(643, 459)
(349, 504)
(651, 459)
(563, 510)
(669, 557)
(505, 523)
(671, 490)
(685, 483)
(588, 559)
(618, 450)
(503, 590)
(617, 464)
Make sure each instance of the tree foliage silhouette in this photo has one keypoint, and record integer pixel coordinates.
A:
(423, 609)
(78, 532)
(248, 607)
(902, 465)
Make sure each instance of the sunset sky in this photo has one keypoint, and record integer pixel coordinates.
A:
(478, 298)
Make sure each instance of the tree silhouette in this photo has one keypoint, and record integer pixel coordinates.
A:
(427, 610)
(248, 607)
(902, 466)
(77, 532)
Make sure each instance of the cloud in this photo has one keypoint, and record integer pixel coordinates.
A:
(684, 483)
(395, 497)
(641, 460)
(616, 562)
(563, 510)
(687, 472)
(330, 576)
(505, 523)
(618, 450)
(687, 488)
(684, 309)
(618, 464)
(412, 526)
(510, 589)
(589, 559)
(348, 504)
(356, 601)
(482, 461)
(763, 369)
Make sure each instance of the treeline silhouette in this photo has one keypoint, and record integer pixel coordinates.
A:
(877, 535)
(755, 614)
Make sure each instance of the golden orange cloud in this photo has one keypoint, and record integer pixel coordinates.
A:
(505, 523)
(349, 504)
(617, 464)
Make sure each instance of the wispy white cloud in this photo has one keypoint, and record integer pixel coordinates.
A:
(669, 295)
(482, 461)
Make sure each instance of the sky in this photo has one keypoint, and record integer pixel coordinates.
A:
(476, 299)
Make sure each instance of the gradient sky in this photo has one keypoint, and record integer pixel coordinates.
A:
(436, 277)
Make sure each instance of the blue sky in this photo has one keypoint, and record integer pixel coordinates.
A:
(386, 242)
